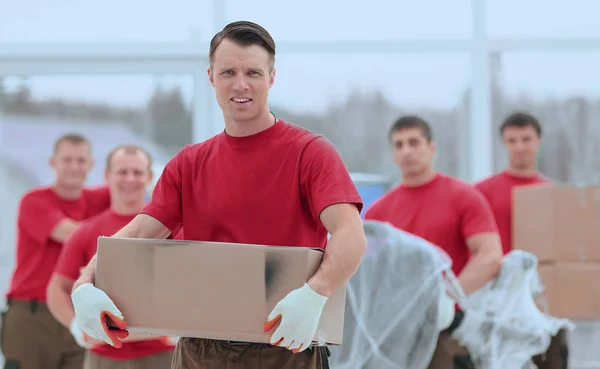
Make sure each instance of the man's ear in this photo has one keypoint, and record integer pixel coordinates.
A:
(272, 78)
(210, 76)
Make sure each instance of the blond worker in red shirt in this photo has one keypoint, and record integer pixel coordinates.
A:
(128, 173)
(47, 215)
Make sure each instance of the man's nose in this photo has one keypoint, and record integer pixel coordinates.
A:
(240, 83)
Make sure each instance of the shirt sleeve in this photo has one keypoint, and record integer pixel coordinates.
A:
(483, 189)
(324, 178)
(477, 217)
(38, 218)
(73, 254)
(165, 203)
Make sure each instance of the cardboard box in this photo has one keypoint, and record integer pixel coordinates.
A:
(557, 223)
(207, 289)
(571, 289)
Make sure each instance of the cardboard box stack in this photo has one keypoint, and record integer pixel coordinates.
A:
(560, 224)
(207, 289)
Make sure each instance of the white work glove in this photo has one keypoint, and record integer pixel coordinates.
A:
(94, 310)
(78, 334)
(446, 312)
(298, 313)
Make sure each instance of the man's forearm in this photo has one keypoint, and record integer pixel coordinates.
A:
(481, 269)
(88, 274)
(60, 305)
(341, 260)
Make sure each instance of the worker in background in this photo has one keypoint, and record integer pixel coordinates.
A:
(521, 135)
(31, 337)
(444, 211)
(128, 173)
(260, 181)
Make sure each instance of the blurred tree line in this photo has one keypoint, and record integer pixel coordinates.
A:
(359, 126)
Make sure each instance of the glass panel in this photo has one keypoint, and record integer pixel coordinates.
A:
(542, 18)
(353, 100)
(105, 21)
(152, 111)
(349, 21)
(562, 90)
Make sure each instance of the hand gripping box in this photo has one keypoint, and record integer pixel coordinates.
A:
(210, 290)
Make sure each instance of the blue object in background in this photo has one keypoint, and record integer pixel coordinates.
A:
(370, 187)
(369, 193)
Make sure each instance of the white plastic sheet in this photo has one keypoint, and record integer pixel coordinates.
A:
(503, 327)
(393, 302)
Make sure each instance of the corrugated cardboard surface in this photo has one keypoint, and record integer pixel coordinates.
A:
(557, 223)
(572, 289)
(207, 289)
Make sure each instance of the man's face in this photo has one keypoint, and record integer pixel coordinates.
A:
(71, 163)
(128, 177)
(522, 144)
(242, 77)
(412, 152)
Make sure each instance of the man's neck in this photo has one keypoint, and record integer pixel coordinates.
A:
(67, 192)
(418, 179)
(522, 172)
(248, 128)
(122, 208)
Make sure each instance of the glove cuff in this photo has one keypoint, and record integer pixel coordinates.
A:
(74, 327)
(313, 296)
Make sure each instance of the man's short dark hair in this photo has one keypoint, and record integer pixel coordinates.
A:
(521, 120)
(72, 138)
(412, 121)
(243, 33)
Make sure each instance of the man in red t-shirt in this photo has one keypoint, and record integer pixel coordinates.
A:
(442, 210)
(261, 181)
(128, 173)
(31, 337)
(521, 135)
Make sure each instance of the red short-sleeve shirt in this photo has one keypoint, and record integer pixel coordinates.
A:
(498, 190)
(40, 211)
(269, 188)
(444, 211)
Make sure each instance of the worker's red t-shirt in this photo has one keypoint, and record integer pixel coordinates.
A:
(40, 211)
(444, 211)
(498, 191)
(268, 188)
(79, 249)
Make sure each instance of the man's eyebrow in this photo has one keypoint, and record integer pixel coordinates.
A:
(257, 69)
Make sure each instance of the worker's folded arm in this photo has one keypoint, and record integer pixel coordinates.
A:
(344, 249)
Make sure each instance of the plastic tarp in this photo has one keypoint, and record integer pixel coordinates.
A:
(393, 302)
(503, 327)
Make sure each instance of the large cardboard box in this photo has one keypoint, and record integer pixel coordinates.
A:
(207, 289)
(557, 223)
(571, 289)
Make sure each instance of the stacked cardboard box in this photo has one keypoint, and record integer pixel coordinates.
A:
(561, 226)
